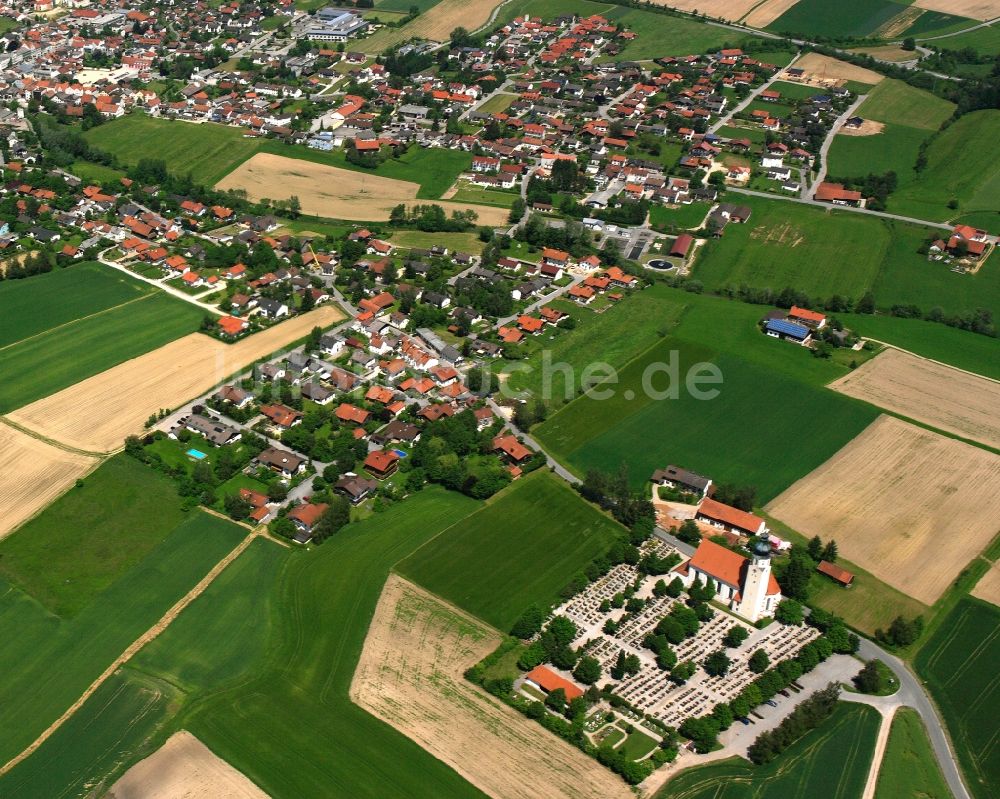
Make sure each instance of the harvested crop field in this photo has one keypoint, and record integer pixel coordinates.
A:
(974, 9)
(767, 12)
(731, 10)
(98, 413)
(33, 474)
(832, 71)
(988, 587)
(909, 505)
(184, 768)
(889, 52)
(435, 24)
(336, 193)
(944, 397)
(410, 676)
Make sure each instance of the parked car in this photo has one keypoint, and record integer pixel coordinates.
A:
(772, 703)
(744, 721)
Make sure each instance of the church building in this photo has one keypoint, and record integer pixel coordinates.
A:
(745, 584)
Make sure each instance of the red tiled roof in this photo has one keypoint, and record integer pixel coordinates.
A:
(545, 678)
(727, 514)
(725, 565)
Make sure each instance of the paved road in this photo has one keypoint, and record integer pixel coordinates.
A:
(723, 121)
(556, 467)
(169, 289)
(541, 301)
(869, 211)
(824, 150)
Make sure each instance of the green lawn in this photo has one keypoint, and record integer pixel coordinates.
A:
(831, 761)
(461, 242)
(755, 135)
(497, 103)
(960, 168)
(909, 766)
(790, 244)
(467, 193)
(36, 304)
(932, 340)
(894, 149)
(523, 547)
(207, 151)
(614, 336)
(768, 402)
(47, 661)
(688, 216)
(127, 508)
(95, 173)
(637, 745)
(841, 19)
(958, 663)
(59, 358)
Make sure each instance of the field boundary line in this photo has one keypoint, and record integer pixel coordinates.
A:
(51, 441)
(79, 319)
(165, 620)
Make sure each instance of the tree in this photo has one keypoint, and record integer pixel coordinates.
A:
(902, 632)
(815, 548)
(909, 44)
(675, 587)
(556, 700)
(689, 533)
(236, 507)
(335, 517)
(618, 670)
(737, 635)
(871, 678)
(529, 623)
(588, 670)
(723, 714)
(759, 662)
(789, 612)
(682, 672)
(717, 663)
(794, 580)
(703, 732)
(830, 551)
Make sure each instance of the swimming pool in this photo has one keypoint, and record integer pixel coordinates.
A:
(400, 453)
(196, 454)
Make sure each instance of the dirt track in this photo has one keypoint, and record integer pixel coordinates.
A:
(946, 398)
(907, 504)
(98, 413)
(337, 193)
(184, 768)
(410, 676)
(32, 474)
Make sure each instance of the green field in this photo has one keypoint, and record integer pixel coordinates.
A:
(894, 149)
(613, 336)
(688, 216)
(768, 402)
(937, 23)
(958, 664)
(207, 151)
(982, 40)
(959, 168)
(902, 104)
(831, 761)
(123, 712)
(127, 508)
(467, 193)
(523, 547)
(909, 278)
(405, 5)
(841, 19)
(932, 340)
(909, 767)
(790, 244)
(94, 173)
(48, 661)
(75, 351)
(220, 148)
(36, 304)
(661, 35)
(259, 668)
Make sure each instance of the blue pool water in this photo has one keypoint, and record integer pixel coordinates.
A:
(400, 453)
(196, 454)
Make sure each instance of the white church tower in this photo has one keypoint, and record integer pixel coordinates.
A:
(754, 599)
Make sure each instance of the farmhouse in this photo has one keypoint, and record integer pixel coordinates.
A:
(726, 517)
(788, 330)
(836, 193)
(804, 316)
(746, 585)
(676, 477)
